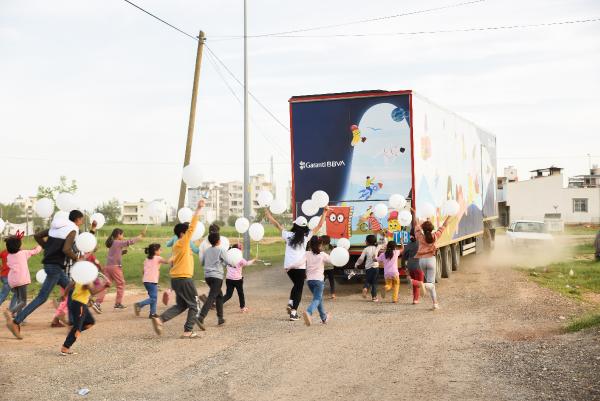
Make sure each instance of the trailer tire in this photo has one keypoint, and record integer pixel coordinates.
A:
(446, 262)
(438, 267)
(455, 253)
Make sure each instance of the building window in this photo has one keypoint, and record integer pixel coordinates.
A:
(580, 205)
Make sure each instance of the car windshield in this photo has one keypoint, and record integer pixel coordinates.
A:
(530, 227)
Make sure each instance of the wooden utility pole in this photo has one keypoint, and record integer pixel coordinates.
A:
(192, 121)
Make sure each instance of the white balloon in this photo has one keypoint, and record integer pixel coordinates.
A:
(309, 207)
(185, 214)
(40, 276)
(198, 232)
(241, 225)
(2, 225)
(339, 256)
(278, 206)
(256, 231)
(44, 207)
(343, 243)
(264, 198)
(427, 211)
(84, 272)
(65, 201)
(320, 198)
(61, 215)
(451, 208)
(224, 244)
(192, 175)
(155, 209)
(99, 219)
(397, 201)
(405, 218)
(234, 256)
(380, 210)
(86, 242)
(313, 222)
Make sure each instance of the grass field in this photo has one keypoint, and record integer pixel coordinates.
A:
(577, 278)
(270, 250)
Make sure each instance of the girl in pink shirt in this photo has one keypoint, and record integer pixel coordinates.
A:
(315, 260)
(151, 276)
(390, 270)
(18, 275)
(234, 280)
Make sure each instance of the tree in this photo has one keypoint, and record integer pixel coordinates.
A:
(231, 220)
(63, 186)
(111, 210)
(12, 212)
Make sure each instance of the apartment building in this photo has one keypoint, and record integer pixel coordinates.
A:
(137, 212)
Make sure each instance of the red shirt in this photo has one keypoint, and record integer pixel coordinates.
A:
(4, 271)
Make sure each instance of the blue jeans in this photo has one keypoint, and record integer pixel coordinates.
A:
(316, 287)
(55, 274)
(5, 289)
(152, 299)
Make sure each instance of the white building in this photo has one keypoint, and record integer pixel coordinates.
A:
(137, 212)
(545, 196)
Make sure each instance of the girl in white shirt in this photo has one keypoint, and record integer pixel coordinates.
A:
(369, 257)
(315, 260)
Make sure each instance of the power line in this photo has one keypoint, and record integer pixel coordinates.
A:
(473, 29)
(161, 20)
(361, 21)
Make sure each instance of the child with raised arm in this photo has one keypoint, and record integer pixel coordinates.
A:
(182, 282)
(369, 257)
(18, 275)
(390, 270)
(235, 280)
(315, 260)
(151, 275)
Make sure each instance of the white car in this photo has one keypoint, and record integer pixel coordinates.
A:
(526, 233)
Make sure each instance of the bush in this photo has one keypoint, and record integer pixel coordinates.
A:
(220, 223)
(231, 221)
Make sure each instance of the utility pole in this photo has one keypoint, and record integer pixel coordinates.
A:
(247, 191)
(192, 120)
(273, 189)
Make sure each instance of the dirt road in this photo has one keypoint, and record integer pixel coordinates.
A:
(496, 337)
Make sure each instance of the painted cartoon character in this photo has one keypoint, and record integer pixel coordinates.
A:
(368, 222)
(393, 224)
(356, 138)
(367, 192)
(338, 224)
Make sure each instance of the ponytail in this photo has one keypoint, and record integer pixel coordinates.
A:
(389, 250)
(112, 237)
(428, 232)
(151, 250)
(315, 245)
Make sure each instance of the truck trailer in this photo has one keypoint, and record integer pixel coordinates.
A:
(363, 147)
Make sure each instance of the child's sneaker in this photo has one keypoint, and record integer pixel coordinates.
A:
(244, 309)
(375, 299)
(221, 322)
(436, 306)
(158, 325)
(364, 292)
(294, 316)
(136, 309)
(14, 328)
(152, 316)
(96, 307)
(307, 318)
(288, 308)
(415, 302)
(120, 306)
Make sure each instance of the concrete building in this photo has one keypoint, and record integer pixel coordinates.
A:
(546, 197)
(137, 212)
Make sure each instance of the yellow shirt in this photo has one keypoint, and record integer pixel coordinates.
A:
(183, 260)
(81, 294)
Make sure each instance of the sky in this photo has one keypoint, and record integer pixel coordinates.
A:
(100, 92)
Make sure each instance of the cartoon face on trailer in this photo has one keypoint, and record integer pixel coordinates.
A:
(338, 222)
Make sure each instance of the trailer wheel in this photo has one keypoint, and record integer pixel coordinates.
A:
(446, 262)
(438, 267)
(455, 253)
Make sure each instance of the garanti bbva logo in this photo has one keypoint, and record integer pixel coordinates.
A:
(326, 164)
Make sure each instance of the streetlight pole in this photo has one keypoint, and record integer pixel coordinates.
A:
(247, 191)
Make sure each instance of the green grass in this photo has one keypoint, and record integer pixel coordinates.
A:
(582, 229)
(270, 251)
(583, 285)
(584, 322)
(166, 231)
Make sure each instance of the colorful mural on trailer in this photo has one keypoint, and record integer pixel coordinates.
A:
(363, 157)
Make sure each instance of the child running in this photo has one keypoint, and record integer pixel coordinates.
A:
(18, 275)
(235, 280)
(390, 270)
(427, 238)
(150, 279)
(412, 263)
(81, 316)
(329, 272)
(4, 269)
(116, 244)
(186, 296)
(369, 257)
(315, 260)
(214, 263)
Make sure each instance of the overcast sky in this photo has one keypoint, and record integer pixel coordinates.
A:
(98, 91)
